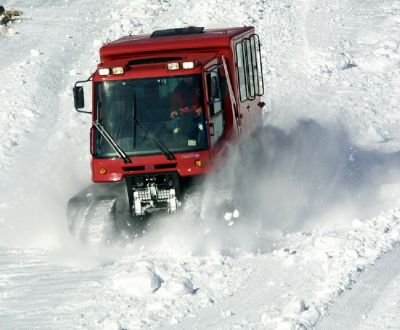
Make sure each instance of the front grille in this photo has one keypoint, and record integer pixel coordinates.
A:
(134, 168)
(165, 166)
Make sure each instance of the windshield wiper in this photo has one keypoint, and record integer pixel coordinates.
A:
(111, 141)
(163, 148)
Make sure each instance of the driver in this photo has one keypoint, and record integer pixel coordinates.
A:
(186, 110)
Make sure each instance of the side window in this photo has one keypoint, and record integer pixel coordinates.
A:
(241, 71)
(216, 95)
(250, 78)
(257, 65)
(249, 69)
(254, 64)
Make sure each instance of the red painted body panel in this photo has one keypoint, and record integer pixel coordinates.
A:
(184, 164)
(130, 46)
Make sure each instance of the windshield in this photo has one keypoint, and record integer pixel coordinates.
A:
(136, 113)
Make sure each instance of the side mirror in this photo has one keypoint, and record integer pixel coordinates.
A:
(79, 99)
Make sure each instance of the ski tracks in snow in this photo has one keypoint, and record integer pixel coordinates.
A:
(373, 301)
(294, 285)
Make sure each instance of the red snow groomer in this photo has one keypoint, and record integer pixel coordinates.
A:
(165, 106)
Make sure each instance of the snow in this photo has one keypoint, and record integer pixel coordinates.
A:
(371, 304)
(319, 199)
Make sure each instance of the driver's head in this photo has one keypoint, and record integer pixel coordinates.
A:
(188, 80)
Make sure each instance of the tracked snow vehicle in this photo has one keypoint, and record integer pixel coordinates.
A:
(150, 135)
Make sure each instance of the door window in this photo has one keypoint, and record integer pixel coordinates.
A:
(216, 96)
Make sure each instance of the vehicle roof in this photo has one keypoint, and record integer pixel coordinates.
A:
(142, 44)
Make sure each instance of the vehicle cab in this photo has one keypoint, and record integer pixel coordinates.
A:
(165, 107)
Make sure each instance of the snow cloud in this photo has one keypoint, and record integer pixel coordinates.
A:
(280, 182)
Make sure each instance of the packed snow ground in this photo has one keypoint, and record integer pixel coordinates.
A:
(370, 304)
(321, 188)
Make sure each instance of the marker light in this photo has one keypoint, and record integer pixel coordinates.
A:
(187, 65)
(198, 163)
(102, 170)
(104, 71)
(173, 66)
(118, 70)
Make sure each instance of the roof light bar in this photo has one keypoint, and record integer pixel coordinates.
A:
(104, 71)
(173, 66)
(187, 65)
(118, 70)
